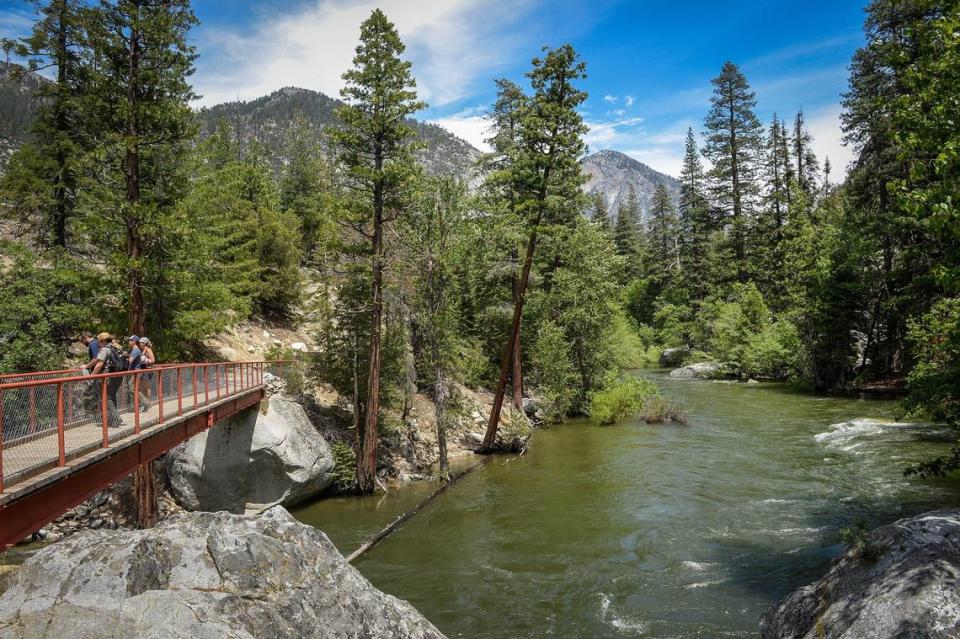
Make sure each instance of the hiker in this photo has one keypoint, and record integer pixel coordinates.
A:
(135, 362)
(93, 347)
(147, 360)
(109, 360)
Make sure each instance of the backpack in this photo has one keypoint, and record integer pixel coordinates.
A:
(115, 361)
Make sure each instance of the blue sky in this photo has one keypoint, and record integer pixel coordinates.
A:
(649, 63)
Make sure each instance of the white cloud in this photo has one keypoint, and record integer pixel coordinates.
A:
(602, 134)
(629, 100)
(469, 125)
(824, 125)
(452, 43)
(610, 98)
(666, 159)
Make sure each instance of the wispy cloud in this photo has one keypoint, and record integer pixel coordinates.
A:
(610, 98)
(805, 50)
(15, 23)
(453, 44)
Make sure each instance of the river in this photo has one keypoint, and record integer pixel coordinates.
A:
(643, 530)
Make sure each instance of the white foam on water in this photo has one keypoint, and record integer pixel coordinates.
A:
(624, 624)
(704, 584)
(851, 435)
(696, 565)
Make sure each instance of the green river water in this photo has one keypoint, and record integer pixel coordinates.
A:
(644, 530)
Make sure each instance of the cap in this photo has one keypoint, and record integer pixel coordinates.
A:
(133, 338)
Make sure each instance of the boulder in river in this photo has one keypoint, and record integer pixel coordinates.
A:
(901, 581)
(705, 370)
(202, 575)
(674, 356)
(252, 461)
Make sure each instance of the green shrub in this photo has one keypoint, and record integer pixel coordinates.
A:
(776, 351)
(473, 365)
(630, 348)
(344, 468)
(657, 410)
(672, 327)
(623, 399)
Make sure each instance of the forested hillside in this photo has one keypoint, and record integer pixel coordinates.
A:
(139, 216)
(18, 108)
(268, 121)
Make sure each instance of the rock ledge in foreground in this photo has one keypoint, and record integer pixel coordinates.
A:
(907, 589)
(202, 575)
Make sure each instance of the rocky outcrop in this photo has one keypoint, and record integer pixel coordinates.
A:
(705, 370)
(674, 356)
(202, 575)
(899, 581)
(252, 461)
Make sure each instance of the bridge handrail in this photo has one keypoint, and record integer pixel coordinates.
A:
(44, 406)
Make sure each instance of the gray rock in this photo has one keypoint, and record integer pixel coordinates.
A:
(902, 583)
(674, 356)
(705, 370)
(198, 576)
(252, 461)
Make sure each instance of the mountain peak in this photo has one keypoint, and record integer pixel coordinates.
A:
(613, 173)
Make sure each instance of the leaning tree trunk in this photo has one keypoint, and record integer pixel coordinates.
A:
(145, 493)
(490, 438)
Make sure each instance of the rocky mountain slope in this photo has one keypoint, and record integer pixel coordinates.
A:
(18, 108)
(613, 173)
(268, 120)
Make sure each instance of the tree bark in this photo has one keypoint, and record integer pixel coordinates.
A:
(145, 492)
(490, 438)
(132, 171)
(367, 460)
(517, 374)
(60, 189)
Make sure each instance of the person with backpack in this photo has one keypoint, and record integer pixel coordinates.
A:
(110, 360)
(137, 361)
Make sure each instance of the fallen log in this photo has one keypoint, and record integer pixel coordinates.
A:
(386, 532)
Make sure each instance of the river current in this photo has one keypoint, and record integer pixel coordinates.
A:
(641, 530)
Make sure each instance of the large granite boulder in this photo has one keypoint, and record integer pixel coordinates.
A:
(674, 356)
(705, 370)
(900, 581)
(252, 461)
(202, 575)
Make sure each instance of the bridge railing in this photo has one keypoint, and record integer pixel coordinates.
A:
(47, 420)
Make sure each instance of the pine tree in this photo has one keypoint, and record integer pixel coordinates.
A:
(501, 190)
(601, 213)
(375, 147)
(305, 190)
(805, 158)
(767, 232)
(547, 178)
(696, 222)
(628, 236)
(664, 237)
(58, 43)
(431, 235)
(734, 139)
(141, 99)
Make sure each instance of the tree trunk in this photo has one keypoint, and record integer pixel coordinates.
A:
(60, 189)
(145, 492)
(144, 480)
(441, 400)
(367, 461)
(131, 165)
(517, 374)
(489, 440)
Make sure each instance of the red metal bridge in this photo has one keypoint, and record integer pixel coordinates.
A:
(65, 436)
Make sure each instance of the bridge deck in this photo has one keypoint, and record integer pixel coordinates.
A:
(63, 439)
